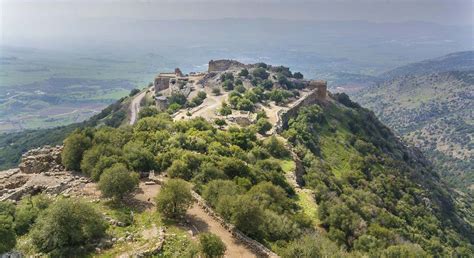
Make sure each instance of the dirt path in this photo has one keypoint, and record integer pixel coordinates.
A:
(199, 221)
(135, 106)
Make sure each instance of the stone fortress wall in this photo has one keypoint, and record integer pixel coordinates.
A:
(318, 93)
(223, 65)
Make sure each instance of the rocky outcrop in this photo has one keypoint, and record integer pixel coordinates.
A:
(42, 159)
(40, 171)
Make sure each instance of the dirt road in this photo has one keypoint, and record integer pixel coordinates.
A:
(199, 221)
(135, 106)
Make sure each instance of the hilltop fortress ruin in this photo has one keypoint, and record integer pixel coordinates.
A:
(168, 84)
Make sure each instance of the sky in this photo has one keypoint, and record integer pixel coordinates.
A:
(23, 20)
(439, 11)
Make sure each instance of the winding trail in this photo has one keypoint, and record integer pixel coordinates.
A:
(199, 221)
(135, 106)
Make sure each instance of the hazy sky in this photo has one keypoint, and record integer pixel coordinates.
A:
(34, 19)
(440, 11)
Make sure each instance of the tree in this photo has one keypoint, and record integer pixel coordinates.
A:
(260, 72)
(298, 75)
(220, 122)
(134, 92)
(147, 112)
(404, 250)
(225, 110)
(66, 226)
(117, 181)
(211, 245)
(7, 234)
(138, 157)
(248, 216)
(240, 88)
(263, 126)
(244, 72)
(276, 147)
(74, 147)
(233, 167)
(201, 95)
(228, 85)
(267, 84)
(216, 91)
(178, 98)
(27, 212)
(174, 198)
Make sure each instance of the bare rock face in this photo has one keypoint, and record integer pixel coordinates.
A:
(40, 171)
(42, 159)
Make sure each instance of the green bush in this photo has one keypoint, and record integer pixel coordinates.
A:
(244, 72)
(147, 112)
(216, 91)
(228, 85)
(117, 181)
(225, 110)
(174, 198)
(134, 92)
(27, 212)
(177, 98)
(67, 227)
(7, 234)
(74, 146)
(298, 75)
(261, 73)
(263, 126)
(211, 245)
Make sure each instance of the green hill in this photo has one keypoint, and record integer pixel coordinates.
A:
(431, 108)
(372, 191)
(458, 61)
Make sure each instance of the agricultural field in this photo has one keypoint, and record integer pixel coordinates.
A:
(43, 89)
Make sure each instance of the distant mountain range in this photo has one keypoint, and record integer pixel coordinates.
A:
(430, 104)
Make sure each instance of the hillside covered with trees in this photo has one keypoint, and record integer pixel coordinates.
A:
(430, 105)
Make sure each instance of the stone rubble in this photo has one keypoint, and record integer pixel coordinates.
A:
(41, 171)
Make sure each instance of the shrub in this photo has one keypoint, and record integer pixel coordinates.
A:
(138, 157)
(228, 85)
(27, 212)
(7, 234)
(174, 198)
(172, 108)
(267, 84)
(261, 73)
(244, 72)
(240, 88)
(227, 77)
(117, 181)
(216, 189)
(202, 95)
(177, 98)
(147, 112)
(225, 110)
(211, 245)
(276, 147)
(220, 122)
(134, 92)
(263, 126)
(216, 91)
(66, 226)
(74, 146)
(298, 75)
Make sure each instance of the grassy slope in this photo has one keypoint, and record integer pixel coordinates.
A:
(333, 138)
